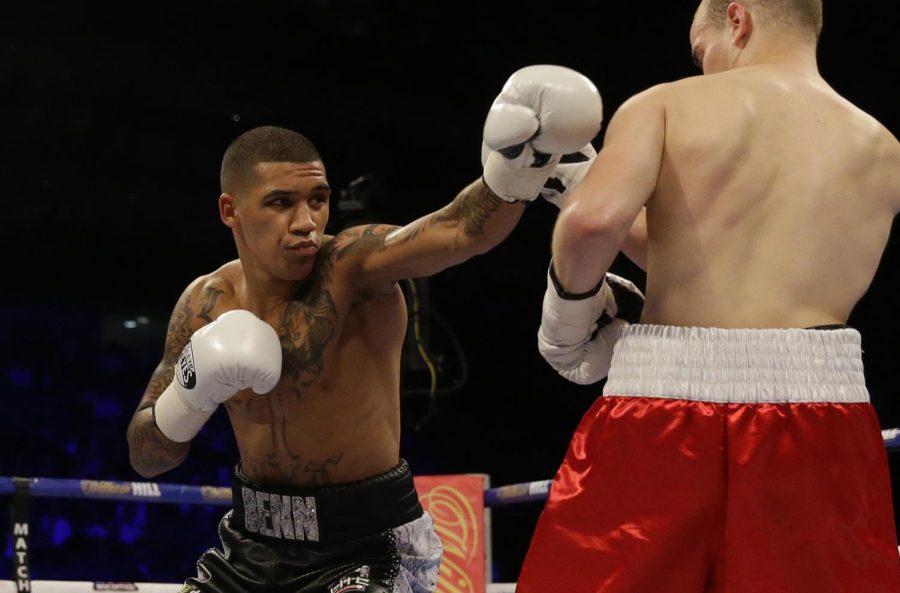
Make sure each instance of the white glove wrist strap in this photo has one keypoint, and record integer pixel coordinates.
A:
(178, 421)
(514, 183)
(571, 321)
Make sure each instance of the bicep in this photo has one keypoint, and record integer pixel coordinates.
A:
(376, 256)
(182, 324)
(472, 223)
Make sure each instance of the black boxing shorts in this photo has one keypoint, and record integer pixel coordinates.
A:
(367, 536)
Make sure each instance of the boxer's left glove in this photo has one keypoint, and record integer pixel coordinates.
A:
(578, 332)
(542, 113)
(236, 351)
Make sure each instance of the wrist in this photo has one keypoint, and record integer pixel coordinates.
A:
(512, 181)
(569, 296)
(177, 420)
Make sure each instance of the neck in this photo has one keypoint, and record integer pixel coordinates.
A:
(261, 293)
(260, 298)
(798, 55)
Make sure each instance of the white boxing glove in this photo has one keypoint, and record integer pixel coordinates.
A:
(542, 112)
(578, 332)
(236, 351)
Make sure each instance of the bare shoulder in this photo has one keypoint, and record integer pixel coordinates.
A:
(212, 293)
(640, 115)
(697, 89)
(347, 251)
(653, 97)
(875, 147)
(204, 298)
(886, 141)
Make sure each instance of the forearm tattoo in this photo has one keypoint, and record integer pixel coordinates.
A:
(469, 211)
(150, 451)
(472, 208)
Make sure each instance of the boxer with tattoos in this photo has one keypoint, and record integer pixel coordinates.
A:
(300, 341)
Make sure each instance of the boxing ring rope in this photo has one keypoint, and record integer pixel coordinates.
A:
(159, 492)
(216, 495)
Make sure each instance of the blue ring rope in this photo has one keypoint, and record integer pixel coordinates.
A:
(218, 495)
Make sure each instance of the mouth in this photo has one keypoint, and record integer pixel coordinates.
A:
(304, 248)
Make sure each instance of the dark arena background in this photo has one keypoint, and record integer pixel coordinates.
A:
(114, 121)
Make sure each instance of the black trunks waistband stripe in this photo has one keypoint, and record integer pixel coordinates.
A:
(829, 327)
(327, 514)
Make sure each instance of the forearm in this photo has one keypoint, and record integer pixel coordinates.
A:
(472, 224)
(149, 451)
(482, 220)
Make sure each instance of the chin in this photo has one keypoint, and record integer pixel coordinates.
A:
(297, 273)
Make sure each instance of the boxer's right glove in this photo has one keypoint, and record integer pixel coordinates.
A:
(578, 332)
(542, 113)
(236, 351)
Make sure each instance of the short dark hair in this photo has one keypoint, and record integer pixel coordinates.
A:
(265, 144)
(804, 14)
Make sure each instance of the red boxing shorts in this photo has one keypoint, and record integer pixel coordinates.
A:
(723, 461)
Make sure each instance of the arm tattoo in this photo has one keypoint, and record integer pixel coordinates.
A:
(472, 208)
(209, 303)
(367, 238)
(470, 211)
(177, 336)
(179, 332)
(150, 451)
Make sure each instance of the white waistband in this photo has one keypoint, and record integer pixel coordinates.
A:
(738, 365)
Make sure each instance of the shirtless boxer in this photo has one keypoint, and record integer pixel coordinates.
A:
(315, 323)
(734, 450)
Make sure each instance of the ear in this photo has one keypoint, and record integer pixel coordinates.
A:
(740, 23)
(227, 210)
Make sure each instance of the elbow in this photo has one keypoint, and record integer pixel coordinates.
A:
(150, 468)
(583, 225)
(140, 466)
(144, 472)
(466, 246)
(150, 458)
(602, 215)
(479, 248)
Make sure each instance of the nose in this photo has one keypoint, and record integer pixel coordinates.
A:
(302, 222)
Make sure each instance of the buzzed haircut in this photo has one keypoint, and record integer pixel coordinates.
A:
(265, 144)
(799, 14)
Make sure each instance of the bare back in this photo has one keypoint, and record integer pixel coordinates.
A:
(773, 205)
